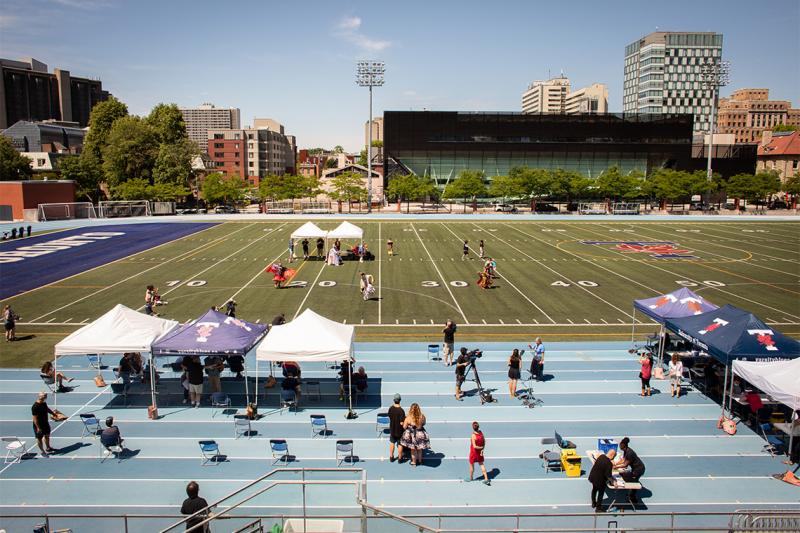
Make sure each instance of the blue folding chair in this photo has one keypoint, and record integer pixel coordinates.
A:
(91, 425)
(280, 451)
(382, 424)
(319, 425)
(344, 451)
(433, 352)
(209, 451)
(95, 361)
(774, 443)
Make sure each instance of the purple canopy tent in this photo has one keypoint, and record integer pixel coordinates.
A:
(214, 333)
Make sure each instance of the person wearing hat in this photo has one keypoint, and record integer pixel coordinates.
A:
(396, 416)
(41, 424)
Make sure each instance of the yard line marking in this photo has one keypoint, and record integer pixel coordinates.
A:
(362, 320)
(311, 288)
(518, 321)
(760, 237)
(570, 321)
(445, 284)
(431, 321)
(620, 320)
(52, 319)
(380, 247)
(67, 320)
(261, 270)
(415, 321)
(501, 321)
(505, 278)
(586, 320)
(94, 293)
(604, 321)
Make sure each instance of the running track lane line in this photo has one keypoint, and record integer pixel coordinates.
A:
(682, 276)
(559, 274)
(506, 279)
(380, 259)
(444, 283)
(129, 277)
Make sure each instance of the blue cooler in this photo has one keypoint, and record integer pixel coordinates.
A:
(607, 444)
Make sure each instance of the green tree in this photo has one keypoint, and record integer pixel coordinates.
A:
(86, 175)
(665, 185)
(167, 192)
(167, 122)
(173, 163)
(404, 187)
(130, 152)
(338, 149)
(784, 127)
(288, 187)
(535, 182)
(792, 187)
(13, 165)
(217, 189)
(506, 187)
(612, 183)
(767, 184)
(468, 184)
(348, 186)
(362, 158)
(132, 189)
(580, 186)
(102, 117)
(743, 187)
(331, 162)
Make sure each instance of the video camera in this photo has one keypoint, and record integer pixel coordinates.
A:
(474, 355)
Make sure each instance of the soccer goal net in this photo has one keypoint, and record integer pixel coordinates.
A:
(66, 211)
(594, 208)
(313, 206)
(280, 207)
(623, 208)
(124, 208)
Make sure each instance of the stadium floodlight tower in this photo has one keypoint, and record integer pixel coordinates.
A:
(370, 73)
(713, 75)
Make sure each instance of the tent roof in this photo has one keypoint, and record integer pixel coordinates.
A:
(676, 304)
(779, 379)
(309, 337)
(118, 331)
(309, 229)
(346, 230)
(730, 333)
(212, 333)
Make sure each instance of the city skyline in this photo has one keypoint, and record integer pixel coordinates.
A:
(299, 66)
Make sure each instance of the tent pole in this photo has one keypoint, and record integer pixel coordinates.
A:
(633, 326)
(730, 397)
(350, 390)
(246, 384)
(153, 379)
(255, 393)
(662, 345)
(55, 382)
(725, 389)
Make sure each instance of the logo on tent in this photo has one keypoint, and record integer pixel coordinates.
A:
(716, 324)
(764, 338)
(205, 329)
(693, 304)
(238, 323)
(656, 249)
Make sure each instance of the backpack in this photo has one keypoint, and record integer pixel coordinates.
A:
(486, 397)
(727, 425)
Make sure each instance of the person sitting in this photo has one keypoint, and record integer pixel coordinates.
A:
(345, 378)
(360, 379)
(57, 377)
(236, 365)
(290, 389)
(111, 435)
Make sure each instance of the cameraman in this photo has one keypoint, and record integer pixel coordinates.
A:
(461, 370)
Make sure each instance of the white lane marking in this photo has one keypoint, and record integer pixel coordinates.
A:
(444, 283)
(260, 271)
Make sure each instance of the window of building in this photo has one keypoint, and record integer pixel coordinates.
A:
(219, 136)
(794, 163)
(219, 154)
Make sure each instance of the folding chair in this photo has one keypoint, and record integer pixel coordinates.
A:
(313, 390)
(280, 451)
(433, 352)
(319, 425)
(219, 401)
(382, 424)
(287, 400)
(15, 449)
(774, 443)
(551, 461)
(50, 382)
(91, 425)
(241, 426)
(107, 449)
(45, 528)
(209, 451)
(344, 449)
(95, 361)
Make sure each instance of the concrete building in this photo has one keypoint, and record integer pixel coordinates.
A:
(47, 136)
(28, 92)
(207, 117)
(377, 130)
(746, 113)
(662, 74)
(779, 151)
(554, 96)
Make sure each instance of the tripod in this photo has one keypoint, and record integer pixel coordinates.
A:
(528, 399)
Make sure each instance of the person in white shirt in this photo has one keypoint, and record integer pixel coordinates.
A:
(675, 374)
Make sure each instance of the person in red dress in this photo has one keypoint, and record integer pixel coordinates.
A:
(476, 445)
(279, 274)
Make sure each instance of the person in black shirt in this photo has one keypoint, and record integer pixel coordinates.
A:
(236, 365)
(345, 378)
(449, 339)
(289, 385)
(111, 435)
(396, 416)
(126, 370)
(461, 371)
(194, 371)
(230, 308)
(465, 253)
(194, 504)
(599, 476)
(320, 246)
(279, 320)
(41, 424)
(305, 249)
(630, 459)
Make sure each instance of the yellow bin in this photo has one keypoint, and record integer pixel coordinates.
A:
(571, 463)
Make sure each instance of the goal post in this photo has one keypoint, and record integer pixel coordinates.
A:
(124, 208)
(65, 211)
(592, 208)
(625, 208)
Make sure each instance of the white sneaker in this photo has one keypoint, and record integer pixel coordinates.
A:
(185, 401)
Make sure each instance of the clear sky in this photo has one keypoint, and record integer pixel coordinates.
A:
(294, 61)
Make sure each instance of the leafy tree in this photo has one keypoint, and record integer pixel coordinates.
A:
(331, 162)
(102, 117)
(506, 187)
(132, 189)
(405, 187)
(743, 187)
(784, 127)
(427, 188)
(86, 175)
(130, 152)
(362, 158)
(288, 187)
(665, 185)
(167, 192)
(315, 151)
(173, 164)
(612, 183)
(217, 189)
(535, 182)
(580, 186)
(167, 121)
(792, 187)
(338, 149)
(468, 184)
(767, 184)
(13, 165)
(348, 186)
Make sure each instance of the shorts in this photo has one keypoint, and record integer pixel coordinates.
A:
(645, 382)
(9, 326)
(675, 381)
(513, 373)
(196, 389)
(447, 349)
(45, 432)
(395, 439)
(460, 380)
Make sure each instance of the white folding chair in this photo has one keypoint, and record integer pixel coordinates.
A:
(219, 401)
(50, 382)
(344, 451)
(241, 426)
(15, 449)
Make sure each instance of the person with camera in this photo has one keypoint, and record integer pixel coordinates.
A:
(461, 371)
(449, 340)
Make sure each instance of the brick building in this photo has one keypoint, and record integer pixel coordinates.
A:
(780, 152)
(748, 112)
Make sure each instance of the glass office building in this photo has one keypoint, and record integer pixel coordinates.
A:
(440, 144)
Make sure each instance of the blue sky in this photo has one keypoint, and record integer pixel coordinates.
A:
(295, 61)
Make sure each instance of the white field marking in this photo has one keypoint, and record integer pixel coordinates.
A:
(444, 283)
(520, 324)
(260, 270)
(310, 288)
(689, 238)
(660, 438)
(506, 279)
(380, 253)
(184, 282)
(717, 228)
(681, 276)
(561, 275)
(95, 292)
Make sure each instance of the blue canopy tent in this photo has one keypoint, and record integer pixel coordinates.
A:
(729, 333)
(214, 333)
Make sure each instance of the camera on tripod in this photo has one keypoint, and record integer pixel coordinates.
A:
(474, 355)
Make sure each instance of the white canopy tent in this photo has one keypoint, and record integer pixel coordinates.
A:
(309, 337)
(309, 230)
(346, 230)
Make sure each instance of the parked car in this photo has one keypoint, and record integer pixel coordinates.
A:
(546, 208)
(224, 209)
(504, 208)
(778, 204)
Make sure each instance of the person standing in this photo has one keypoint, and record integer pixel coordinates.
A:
(415, 438)
(126, 371)
(481, 249)
(149, 300)
(600, 475)
(644, 374)
(636, 467)
(291, 250)
(10, 323)
(514, 363)
(465, 250)
(305, 249)
(537, 363)
(194, 373)
(449, 340)
(193, 505)
(461, 371)
(41, 424)
(230, 308)
(320, 246)
(279, 320)
(396, 417)
(390, 247)
(214, 366)
(477, 443)
(675, 374)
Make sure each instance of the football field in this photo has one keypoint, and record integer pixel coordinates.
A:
(558, 279)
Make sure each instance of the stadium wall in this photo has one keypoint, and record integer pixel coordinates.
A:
(28, 194)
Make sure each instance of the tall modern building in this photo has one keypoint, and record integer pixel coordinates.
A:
(29, 92)
(662, 74)
(554, 96)
(747, 113)
(207, 117)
